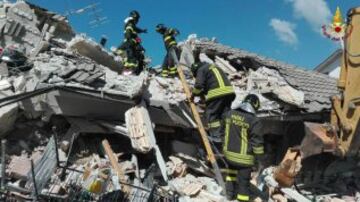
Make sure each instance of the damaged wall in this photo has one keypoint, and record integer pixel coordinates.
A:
(31, 27)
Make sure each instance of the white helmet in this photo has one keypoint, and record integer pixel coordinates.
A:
(245, 106)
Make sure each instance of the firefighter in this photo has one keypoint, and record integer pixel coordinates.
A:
(212, 83)
(131, 43)
(169, 34)
(243, 144)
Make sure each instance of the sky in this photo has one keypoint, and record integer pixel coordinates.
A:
(286, 30)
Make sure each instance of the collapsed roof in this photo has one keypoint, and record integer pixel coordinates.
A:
(317, 87)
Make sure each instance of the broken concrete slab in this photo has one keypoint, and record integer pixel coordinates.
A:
(195, 164)
(94, 51)
(268, 80)
(141, 133)
(137, 129)
(20, 18)
(8, 114)
(20, 166)
(165, 90)
(4, 85)
(186, 56)
(19, 84)
(225, 65)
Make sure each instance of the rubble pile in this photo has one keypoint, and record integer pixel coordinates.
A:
(189, 187)
(167, 90)
(337, 181)
(74, 129)
(68, 91)
(315, 86)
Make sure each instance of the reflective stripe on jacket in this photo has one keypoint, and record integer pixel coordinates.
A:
(243, 138)
(169, 38)
(212, 82)
(131, 31)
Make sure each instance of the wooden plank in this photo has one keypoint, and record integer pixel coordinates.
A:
(201, 129)
(115, 165)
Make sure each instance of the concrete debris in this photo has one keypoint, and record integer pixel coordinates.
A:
(94, 51)
(194, 164)
(20, 166)
(4, 85)
(137, 130)
(176, 167)
(192, 188)
(187, 57)
(78, 130)
(20, 24)
(225, 65)
(205, 58)
(165, 91)
(266, 80)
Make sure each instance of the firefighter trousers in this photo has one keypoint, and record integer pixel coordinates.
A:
(215, 112)
(238, 183)
(169, 66)
(131, 62)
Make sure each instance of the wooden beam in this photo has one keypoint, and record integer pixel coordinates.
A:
(201, 129)
(115, 165)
